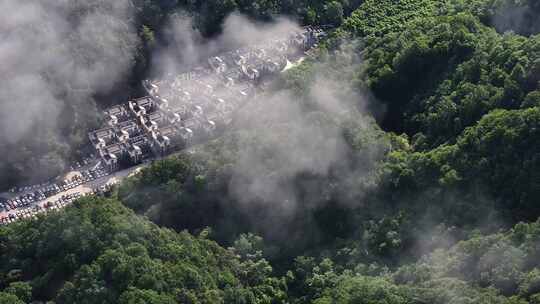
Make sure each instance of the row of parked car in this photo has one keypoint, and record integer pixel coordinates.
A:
(92, 174)
(104, 189)
(37, 209)
(31, 188)
(21, 201)
(60, 203)
(84, 162)
(44, 191)
(23, 213)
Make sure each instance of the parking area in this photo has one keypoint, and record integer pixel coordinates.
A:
(87, 180)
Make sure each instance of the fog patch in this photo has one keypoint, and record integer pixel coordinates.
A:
(519, 17)
(297, 158)
(185, 47)
(291, 153)
(55, 56)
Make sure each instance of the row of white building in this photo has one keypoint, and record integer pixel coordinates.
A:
(193, 106)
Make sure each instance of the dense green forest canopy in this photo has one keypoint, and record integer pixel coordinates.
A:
(397, 164)
(100, 252)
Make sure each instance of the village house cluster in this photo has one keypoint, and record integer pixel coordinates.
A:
(179, 110)
(191, 107)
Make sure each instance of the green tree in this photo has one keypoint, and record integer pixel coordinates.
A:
(22, 290)
(333, 13)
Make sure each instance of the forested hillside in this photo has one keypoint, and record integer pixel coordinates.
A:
(100, 252)
(397, 164)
